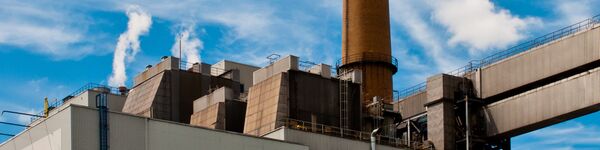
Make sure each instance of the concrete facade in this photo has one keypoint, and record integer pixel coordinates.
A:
(267, 101)
(244, 72)
(412, 105)
(441, 99)
(76, 128)
(321, 69)
(169, 94)
(297, 95)
(565, 99)
(322, 142)
(219, 110)
(288, 63)
(219, 95)
(88, 98)
(530, 90)
(539, 63)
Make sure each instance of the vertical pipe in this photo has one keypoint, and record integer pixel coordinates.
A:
(467, 141)
(373, 139)
(408, 134)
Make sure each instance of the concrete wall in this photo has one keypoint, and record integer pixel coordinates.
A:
(219, 95)
(322, 142)
(51, 133)
(313, 98)
(137, 133)
(288, 63)
(321, 69)
(267, 101)
(88, 98)
(302, 96)
(170, 94)
(541, 62)
(213, 116)
(76, 128)
(550, 104)
(170, 63)
(441, 100)
(412, 105)
(142, 97)
(245, 71)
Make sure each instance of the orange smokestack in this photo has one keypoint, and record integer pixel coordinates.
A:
(366, 46)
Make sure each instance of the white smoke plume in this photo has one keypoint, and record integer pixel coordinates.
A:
(190, 45)
(129, 45)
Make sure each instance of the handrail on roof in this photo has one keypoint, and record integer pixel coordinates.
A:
(58, 102)
(584, 25)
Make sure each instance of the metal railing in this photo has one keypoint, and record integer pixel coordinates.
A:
(340, 132)
(184, 65)
(305, 64)
(90, 86)
(412, 90)
(367, 56)
(473, 65)
(213, 70)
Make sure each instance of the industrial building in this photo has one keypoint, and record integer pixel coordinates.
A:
(298, 105)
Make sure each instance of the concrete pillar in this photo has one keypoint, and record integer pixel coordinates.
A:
(441, 122)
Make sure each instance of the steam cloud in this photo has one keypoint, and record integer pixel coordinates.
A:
(129, 45)
(190, 45)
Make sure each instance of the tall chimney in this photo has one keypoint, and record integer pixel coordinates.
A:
(366, 47)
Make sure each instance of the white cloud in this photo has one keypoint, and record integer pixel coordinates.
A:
(567, 135)
(47, 29)
(409, 16)
(573, 11)
(479, 24)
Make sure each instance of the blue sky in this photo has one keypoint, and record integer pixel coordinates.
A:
(51, 48)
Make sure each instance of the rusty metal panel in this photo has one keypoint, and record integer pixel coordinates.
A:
(366, 46)
(565, 99)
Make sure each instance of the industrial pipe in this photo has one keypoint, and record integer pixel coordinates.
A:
(373, 139)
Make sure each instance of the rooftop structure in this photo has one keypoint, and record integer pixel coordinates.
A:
(291, 105)
(164, 91)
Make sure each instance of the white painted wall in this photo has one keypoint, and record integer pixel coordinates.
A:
(76, 127)
(322, 142)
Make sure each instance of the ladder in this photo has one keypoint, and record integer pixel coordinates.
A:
(102, 105)
(344, 97)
